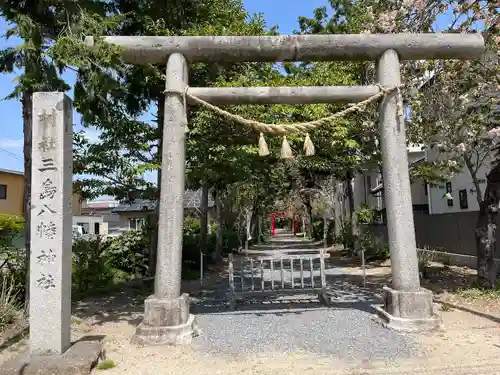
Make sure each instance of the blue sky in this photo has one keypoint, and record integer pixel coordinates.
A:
(276, 12)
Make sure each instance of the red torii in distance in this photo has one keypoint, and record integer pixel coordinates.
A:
(273, 223)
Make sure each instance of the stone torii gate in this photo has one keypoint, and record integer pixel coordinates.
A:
(407, 306)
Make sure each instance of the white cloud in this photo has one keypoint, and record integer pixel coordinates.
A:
(11, 143)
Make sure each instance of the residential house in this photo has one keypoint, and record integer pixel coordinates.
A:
(132, 215)
(98, 214)
(12, 194)
(459, 193)
(90, 225)
(369, 186)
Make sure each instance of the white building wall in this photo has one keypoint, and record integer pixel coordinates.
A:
(371, 178)
(462, 181)
(89, 224)
(363, 184)
(418, 193)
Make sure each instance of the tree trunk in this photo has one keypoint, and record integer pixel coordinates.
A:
(204, 219)
(27, 108)
(259, 228)
(310, 228)
(352, 211)
(218, 231)
(486, 231)
(475, 180)
(325, 229)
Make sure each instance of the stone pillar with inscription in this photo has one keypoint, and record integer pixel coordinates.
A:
(51, 224)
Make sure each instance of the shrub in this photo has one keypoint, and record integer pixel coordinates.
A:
(129, 252)
(345, 237)
(213, 227)
(425, 258)
(318, 227)
(12, 259)
(10, 307)
(91, 270)
(12, 262)
(10, 227)
(192, 225)
(365, 214)
(191, 250)
(373, 250)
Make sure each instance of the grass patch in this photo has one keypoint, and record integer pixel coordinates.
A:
(106, 364)
(476, 291)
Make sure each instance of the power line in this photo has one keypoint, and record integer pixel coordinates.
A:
(11, 154)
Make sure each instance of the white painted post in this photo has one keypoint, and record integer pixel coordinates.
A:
(51, 224)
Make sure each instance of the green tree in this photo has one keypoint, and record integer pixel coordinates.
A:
(36, 24)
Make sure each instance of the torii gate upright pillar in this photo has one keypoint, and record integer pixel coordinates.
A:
(407, 306)
(167, 319)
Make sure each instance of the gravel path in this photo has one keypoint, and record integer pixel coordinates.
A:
(345, 331)
(344, 334)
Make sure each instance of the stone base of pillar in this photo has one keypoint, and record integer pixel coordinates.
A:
(166, 322)
(408, 311)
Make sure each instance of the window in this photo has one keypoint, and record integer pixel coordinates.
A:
(96, 228)
(3, 191)
(135, 223)
(448, 191)
(462, 195)
(85, 227)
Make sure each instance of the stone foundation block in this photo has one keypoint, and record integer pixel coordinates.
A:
(415, 304)
(408, 311)
(166, 322)
(79, 359)
(159, 312)
(166, 335)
